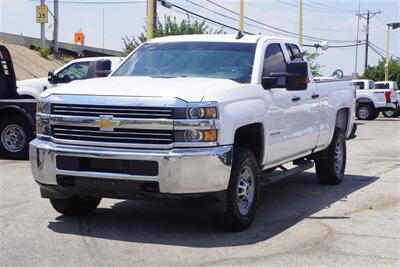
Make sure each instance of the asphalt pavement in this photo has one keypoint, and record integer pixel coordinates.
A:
(299, 222)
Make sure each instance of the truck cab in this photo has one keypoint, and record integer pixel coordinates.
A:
(75, 70)
(371, 100)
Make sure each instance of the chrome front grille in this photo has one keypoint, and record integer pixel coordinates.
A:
(116, 111)
(117, 137)
(112, 126)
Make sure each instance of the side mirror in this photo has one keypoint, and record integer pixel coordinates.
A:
(103, 68)
(294, 79)
(51, 77)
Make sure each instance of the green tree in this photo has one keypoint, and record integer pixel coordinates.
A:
(169, 27)
(377, 73)
(312, 61)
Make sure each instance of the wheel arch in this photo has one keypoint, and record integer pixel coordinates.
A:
(365, 100)
(251, 136)
(343, 119)
(17, 111)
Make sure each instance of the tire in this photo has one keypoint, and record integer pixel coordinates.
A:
(242, 193)
(366, 112)
(330, 171)
(15, 135)
(76, 205)
(390, 113)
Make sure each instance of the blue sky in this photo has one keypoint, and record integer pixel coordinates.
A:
(17, 16)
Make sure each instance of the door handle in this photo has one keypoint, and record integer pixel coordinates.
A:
(296, 99)
(315, 96)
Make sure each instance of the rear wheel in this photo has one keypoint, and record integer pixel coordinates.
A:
(390, 113)
(76, 205)
(366, 112)
(243, 191)
(15, 135)
(330, 170)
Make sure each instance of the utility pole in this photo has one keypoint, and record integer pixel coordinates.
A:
(55, 28)
(301, 24)
(355, 75)
(154, 17)
(150, 18)
(393, 26)
(241, 20)
(367, 15)
(42, 29)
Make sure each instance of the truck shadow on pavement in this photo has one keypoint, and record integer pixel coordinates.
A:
(281, 206)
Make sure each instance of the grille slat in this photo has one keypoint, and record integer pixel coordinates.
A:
(118, 136)
(111, 133)
(117, 112)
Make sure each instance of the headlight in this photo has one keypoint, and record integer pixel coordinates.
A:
(194, 136)
(43, 107)
(42, 126)
(195, 113)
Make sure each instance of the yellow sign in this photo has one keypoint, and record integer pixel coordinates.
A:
(42, 14)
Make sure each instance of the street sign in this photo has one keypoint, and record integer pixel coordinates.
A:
(79, 37)
(42, 14)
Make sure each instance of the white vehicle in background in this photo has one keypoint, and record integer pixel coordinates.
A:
(194, 118)
(371, 101)
(392, 85)
(78, 69)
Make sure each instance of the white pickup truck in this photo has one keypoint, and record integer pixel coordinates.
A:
(392, 86)
(77, 69)
(371, 100)
(200, 118)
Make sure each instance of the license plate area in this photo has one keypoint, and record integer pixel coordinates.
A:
(130, 167)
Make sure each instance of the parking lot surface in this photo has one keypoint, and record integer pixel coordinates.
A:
(299, 222)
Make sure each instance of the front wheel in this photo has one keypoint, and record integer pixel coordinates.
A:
(76, 205)
(366, 112)
(15, 135)
(330, 170)
(242, 193)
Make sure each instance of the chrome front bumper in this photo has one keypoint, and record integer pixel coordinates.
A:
(184, 170)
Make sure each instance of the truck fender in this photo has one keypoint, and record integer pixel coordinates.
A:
(29, 91)
(365, 100)
(18, 110)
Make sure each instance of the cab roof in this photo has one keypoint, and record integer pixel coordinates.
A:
(231, 38)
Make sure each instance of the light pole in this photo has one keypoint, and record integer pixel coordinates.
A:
(301, 24)
(393, 26)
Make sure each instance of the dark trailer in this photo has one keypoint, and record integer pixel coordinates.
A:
(17, 116)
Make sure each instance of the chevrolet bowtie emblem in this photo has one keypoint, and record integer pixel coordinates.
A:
(106, 123)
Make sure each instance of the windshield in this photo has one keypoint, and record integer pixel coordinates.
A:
(232, 61)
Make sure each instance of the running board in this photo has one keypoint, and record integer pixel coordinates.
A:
(266, 180)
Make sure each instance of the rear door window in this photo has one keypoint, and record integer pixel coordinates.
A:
(359, 85)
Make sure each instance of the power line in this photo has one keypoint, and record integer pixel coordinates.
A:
(306, 37)
(208, 19)
(338, 46)
(332, 7)
(319, 10)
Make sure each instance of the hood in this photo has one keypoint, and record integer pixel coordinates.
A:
(186, 88)
(35, 83)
